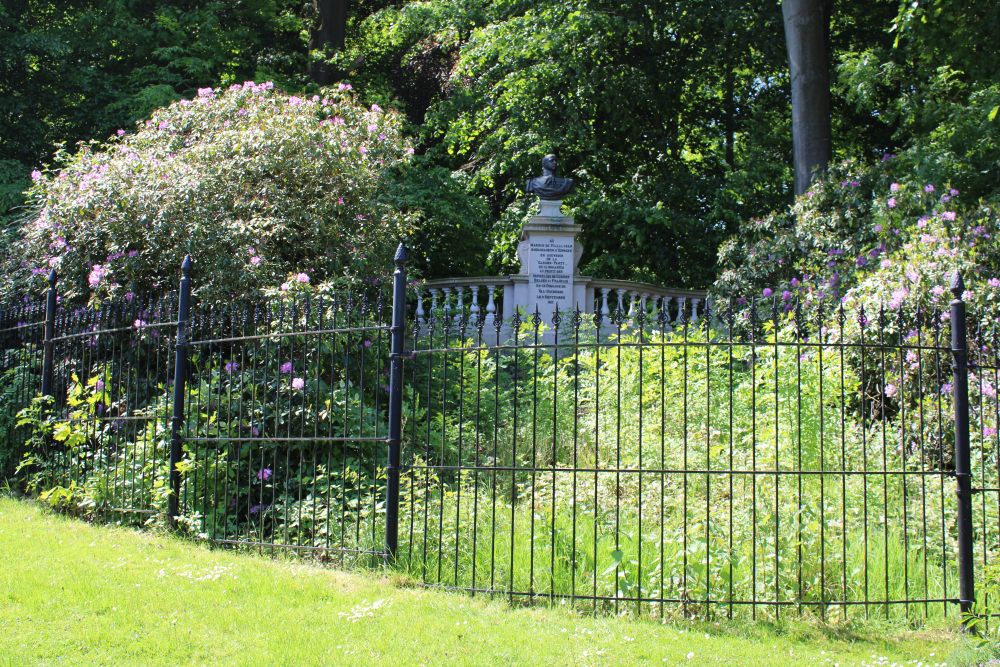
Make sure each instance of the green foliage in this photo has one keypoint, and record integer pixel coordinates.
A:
(254, 183)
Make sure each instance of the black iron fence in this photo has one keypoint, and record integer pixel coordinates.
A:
(766, 458)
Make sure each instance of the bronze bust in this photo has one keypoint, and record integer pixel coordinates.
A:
(548, 186)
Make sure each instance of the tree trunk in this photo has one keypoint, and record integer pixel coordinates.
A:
(327, 36)
(807, 24)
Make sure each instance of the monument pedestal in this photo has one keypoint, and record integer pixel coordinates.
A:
(549, 279)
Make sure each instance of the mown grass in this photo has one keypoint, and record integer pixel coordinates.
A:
(73, 593)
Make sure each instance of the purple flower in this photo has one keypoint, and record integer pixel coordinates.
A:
(878, 228)
(232, 367)
(898, 296)
(298, 384)
(786, 296)
(948, 215)
(99, 386)
(97, 273)
(286, 368)
(367, 343)
(264, 474)
(767, 292)
(928, 188)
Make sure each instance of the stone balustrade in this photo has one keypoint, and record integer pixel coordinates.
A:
(490, 298)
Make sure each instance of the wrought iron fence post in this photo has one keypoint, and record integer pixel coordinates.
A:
(180, 379)
(963, 472)
(48, 348)
(395, 404)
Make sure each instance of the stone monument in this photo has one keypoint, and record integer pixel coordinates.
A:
(549, 254)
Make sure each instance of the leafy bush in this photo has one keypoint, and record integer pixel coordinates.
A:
(254, 183)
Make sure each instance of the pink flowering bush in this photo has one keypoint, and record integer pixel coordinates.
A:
(256, 184)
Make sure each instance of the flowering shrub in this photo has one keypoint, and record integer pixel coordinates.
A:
(254, 183)
(871, 234)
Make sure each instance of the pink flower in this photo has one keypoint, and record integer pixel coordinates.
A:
(948, 215)
(264, 474)
(372, 127)
(363, 150)
(928, 188)
(898, 296)
(298, 384)
(255, 260)
(376, 108)
(993, 282)
(120, 132)
(285, 287)
(97, 273)
(891, 203)
(890, 390)
(139, 324)
(36, 175)
(894, 187)
(302, 278)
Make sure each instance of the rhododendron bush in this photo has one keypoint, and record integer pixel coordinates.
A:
(254, 183)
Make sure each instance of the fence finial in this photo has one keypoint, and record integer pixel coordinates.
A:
(53, 277)
(186, 265)
(957, 285)
(400, 257)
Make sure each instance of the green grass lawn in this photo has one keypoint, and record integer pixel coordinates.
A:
(73, 593)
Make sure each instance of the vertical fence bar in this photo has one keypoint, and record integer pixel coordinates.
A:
(180, 377)
(963, 473)
(395, 404)
(48, 349)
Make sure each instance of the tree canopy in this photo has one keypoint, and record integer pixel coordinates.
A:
(674, 117)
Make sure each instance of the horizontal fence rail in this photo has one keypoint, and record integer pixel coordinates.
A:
(746, 459)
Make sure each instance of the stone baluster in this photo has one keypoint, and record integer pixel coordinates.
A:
(694, 309)
(460, 307)
(435, 292)
(491, 306)
(667, 320)
(421, 314)
(644, 305)
(633, 295)
(681, 307)
(621, 305)
(605, 310)
(474, 308)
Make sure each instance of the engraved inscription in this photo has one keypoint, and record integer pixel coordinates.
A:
(551, 272)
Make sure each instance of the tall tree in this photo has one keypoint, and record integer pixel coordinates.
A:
(327, 37)
(807, 30)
